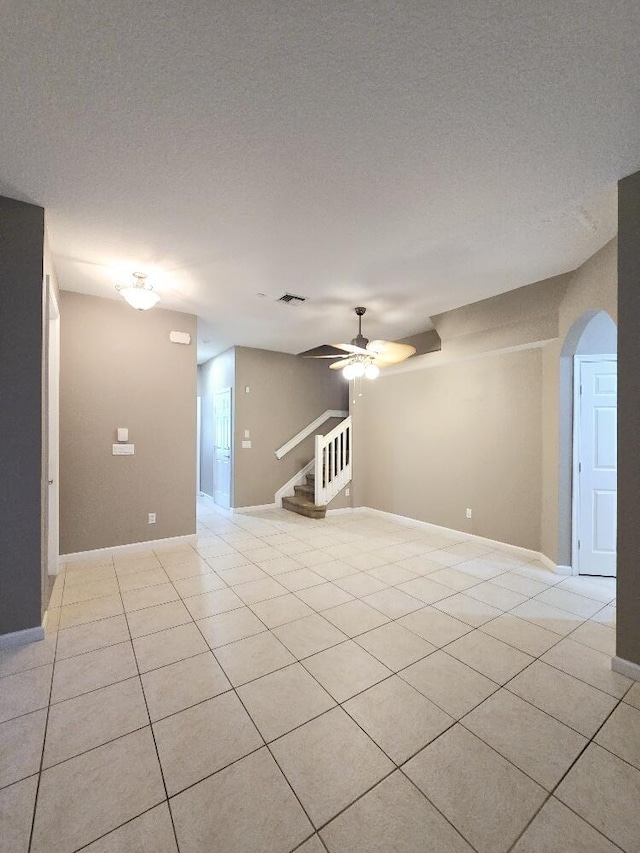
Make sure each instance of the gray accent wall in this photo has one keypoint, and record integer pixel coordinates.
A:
(628, 611)
(119, 369)
(21, 348)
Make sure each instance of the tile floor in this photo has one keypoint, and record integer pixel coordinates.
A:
(352, 684)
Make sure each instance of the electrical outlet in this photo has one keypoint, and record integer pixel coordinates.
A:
(152, 518)
(347, 492)
(469, 512)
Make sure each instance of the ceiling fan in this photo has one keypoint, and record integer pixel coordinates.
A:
(362, 357)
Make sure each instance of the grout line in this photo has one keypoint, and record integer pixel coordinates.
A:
(552, 792)
(153, 735)
(44, 737)
(239, 698)
(120, 825)
(347, 639)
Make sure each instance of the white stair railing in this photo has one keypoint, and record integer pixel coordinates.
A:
(333, 462)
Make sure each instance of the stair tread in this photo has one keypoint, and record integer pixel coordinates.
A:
(296, 503)
(305, 490)
(298, 499)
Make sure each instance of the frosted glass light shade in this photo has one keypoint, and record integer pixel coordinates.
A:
(140, 297)
(348, 371)
(358, 369)
(372, 371)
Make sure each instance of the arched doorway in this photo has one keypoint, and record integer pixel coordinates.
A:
(588, 466)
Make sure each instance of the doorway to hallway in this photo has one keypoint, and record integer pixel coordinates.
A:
(222, 444)
(595, 468)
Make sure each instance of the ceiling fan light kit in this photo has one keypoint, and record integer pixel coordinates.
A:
(362, 357)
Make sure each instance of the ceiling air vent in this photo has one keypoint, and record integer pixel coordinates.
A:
(291, 299)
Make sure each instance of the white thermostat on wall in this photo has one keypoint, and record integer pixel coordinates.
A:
(180, 338)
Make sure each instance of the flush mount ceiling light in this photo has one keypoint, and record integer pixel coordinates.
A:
(140, 294)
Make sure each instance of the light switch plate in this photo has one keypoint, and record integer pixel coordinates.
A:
(123, 449)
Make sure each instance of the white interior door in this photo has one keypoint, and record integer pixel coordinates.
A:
(222, 448)
(198, 440)
(597, 465)
(53, 438)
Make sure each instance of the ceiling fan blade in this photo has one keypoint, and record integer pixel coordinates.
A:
(334, 351)
(343, 362)
(353, 349)
(324, 351)
(390, 352)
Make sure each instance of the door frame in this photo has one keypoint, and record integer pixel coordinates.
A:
(217, 392)
(198, 441)
(578, 361)
(52, 474)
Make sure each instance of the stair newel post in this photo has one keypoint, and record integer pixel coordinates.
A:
(318, 471)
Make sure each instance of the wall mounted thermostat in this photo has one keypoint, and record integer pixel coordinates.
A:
(123, 434)
(180, 338)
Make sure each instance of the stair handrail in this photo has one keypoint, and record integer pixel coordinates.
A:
(309, 430)
(333, 462)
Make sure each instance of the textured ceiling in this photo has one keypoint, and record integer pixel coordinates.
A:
(408, 156)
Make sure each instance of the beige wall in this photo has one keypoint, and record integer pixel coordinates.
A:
(118, 368)
(464, 435)
(591, 288)
(286, 393)
(483, 422)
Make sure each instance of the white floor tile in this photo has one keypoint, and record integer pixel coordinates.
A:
(178, 686)
(605, 791)
(450, 684)
(87, 796)
(329, 762)
(538, 744)
(200, 740)
(485, 797)
(152, 831)
(398, 718)
(255, 811)
(566, 698)
(283, 700)
(556, 829)
(394, 816)
(21, 742)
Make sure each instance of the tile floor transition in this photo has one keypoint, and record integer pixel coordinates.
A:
(352, 684)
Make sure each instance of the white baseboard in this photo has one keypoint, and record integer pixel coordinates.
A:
(242, 510)
(297, 480)
(548, 562)
(626, 667)
(560, 569)
(20, 638)
(169, 542)
(481, 540)
(340, 510)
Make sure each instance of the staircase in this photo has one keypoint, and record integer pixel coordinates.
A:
(303, 501)
(332, 472)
